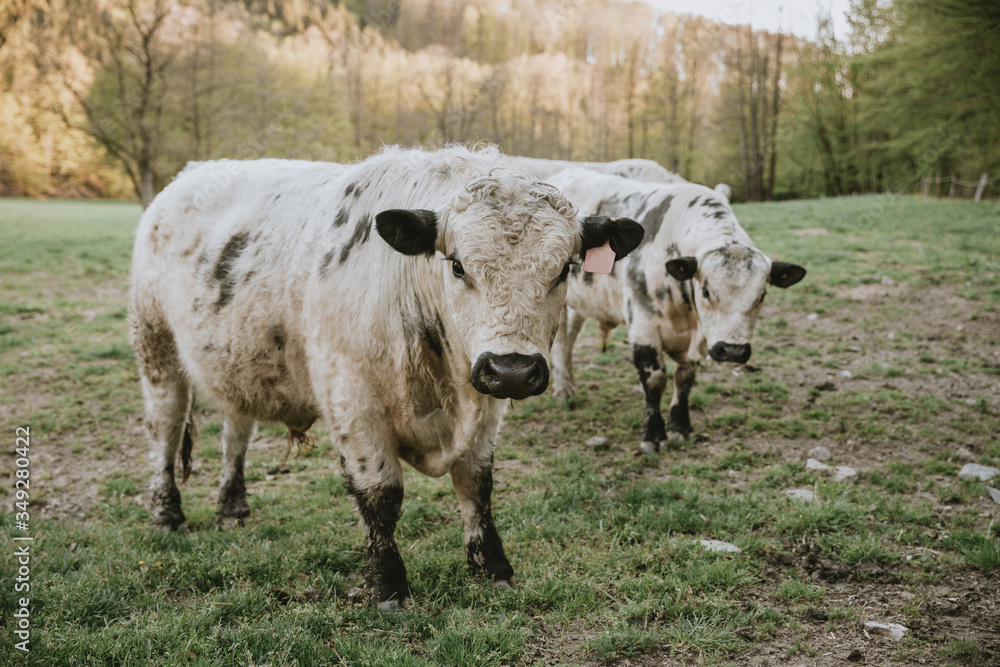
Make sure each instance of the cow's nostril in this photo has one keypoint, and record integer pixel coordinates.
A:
(740, 353)
(510, 375)
(735, 352)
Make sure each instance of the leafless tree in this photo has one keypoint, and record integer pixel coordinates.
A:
(124, 106)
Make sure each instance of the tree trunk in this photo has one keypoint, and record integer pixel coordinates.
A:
(147, 191)
(741, 110)
(773, 143)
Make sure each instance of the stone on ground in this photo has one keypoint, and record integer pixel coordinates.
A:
(820, 453)
(597, 443)
(844, 473)
(800, 494)
(718, 545)
(976, 471)
(891, 630)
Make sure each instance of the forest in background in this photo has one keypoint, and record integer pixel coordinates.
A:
(114, 97)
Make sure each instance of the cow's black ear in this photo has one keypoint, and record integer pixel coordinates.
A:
(622, 234)
(411, 232)
(682, 268)
(784, 274)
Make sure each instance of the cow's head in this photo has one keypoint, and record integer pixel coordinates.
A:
(506, 244)
(729, 284)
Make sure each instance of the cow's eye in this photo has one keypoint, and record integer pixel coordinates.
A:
(705, 293)
(565, 273)
(457, 269)
(761, 299)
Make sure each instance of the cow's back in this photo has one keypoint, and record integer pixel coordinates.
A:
(220, 260)
(634, 168)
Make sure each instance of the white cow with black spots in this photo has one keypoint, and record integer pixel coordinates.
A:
(402, 299)
(635, 168)
(692, 289)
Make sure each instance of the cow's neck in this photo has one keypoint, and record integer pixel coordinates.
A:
(457, 418)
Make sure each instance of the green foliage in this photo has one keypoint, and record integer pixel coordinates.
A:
(908, 94)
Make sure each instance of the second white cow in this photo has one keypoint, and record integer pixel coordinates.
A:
(692, 289)
(634, 168)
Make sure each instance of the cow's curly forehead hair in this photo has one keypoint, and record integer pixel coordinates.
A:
(514, 195)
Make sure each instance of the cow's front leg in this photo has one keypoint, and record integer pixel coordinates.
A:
(648, 360)
(473, 481)
(375, 479)
(571, 321)
(679, 425)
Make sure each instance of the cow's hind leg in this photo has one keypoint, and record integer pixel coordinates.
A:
(653, 376)
(233, 507)
(562, 353)
(473, 481)
(679, 424)
(167, 394)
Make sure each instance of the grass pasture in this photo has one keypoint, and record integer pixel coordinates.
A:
(903, 294)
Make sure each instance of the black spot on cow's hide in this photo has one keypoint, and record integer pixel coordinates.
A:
(693, 202)
(342, 217)
(278, 336)
(324, 265)
(718, 215)
(224, 267)
(635, 202)
(441, 333)
(431, 337)
(711, 203)
(349, 190)
(609, 207)
(588, 277)
(640, 289)
(361, 233)
(652, 220)
(420, 326)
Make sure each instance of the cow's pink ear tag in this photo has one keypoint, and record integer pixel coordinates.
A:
(599, 259)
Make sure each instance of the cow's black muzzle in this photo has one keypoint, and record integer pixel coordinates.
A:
(510, 375)
(731, 352)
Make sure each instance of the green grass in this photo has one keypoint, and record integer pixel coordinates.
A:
(605, 544)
